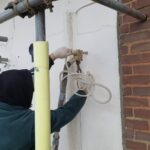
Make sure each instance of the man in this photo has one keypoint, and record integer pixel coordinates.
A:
(16, 119)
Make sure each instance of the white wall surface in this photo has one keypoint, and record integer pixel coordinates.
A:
(93, 29)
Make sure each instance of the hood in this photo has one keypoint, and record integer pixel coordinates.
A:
(16, 87)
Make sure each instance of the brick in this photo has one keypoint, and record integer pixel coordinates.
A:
(128, 112)
(142, 3)
(138, 26)
(129, 133)
(142, 113)
(127, 70)
(132, 37)
(140, 47)
(136, 79)
(142, 136)
(141, 91)
(128, 19)
(149, 147)
(141, 69)
(135, 145)
(146, 11)
(135, 102)
(127, 91)
(136, 58)
(137, 124)
(124, 50)
(124, 28)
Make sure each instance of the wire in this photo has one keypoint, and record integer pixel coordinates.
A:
(85, 81)
(87, 5)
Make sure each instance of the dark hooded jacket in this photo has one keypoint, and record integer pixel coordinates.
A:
(16, 88)
(17, 120)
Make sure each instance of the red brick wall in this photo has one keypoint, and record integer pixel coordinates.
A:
(135, 65)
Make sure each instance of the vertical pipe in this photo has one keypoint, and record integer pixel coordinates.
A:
(42, 96)
(40, 26)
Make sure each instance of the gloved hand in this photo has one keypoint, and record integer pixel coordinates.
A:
(86, 82)
(61, 52)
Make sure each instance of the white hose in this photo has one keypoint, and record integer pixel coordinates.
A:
(85, 81)
(109, 94)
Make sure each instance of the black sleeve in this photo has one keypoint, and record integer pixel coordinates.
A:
(51, 63)
(65, 114)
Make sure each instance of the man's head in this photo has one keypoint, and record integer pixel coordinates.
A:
(16, 88)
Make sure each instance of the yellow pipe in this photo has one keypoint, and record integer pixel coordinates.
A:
(42, 96)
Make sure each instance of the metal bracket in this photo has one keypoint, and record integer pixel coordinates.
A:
(3, 60)
(29, 9)
(78, 54)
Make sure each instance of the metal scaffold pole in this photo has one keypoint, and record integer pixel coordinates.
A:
(118, 6)
(3, 39)
(40, 26)
(19, 8)
(41, 77)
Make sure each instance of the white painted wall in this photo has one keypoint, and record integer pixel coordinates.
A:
(97, 127)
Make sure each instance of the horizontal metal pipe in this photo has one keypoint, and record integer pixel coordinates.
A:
(122, 8)
(6, 15)
(3, 39)
(20, 8)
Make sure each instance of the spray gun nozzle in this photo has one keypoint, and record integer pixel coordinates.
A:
(78, 54)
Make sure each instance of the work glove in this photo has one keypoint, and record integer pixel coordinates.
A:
(61, 52)
(85, 82)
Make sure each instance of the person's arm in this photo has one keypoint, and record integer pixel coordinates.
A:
(65, 114)
(61, 52)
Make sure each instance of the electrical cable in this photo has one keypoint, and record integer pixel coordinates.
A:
(87, 5)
